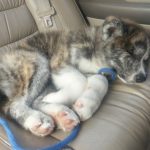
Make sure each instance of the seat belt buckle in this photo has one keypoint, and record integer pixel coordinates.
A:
(48, 21)
(48, 17)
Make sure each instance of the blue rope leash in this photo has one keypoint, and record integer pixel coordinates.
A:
(67, 140)
(110, 75)
(11, 137)
(57, 146)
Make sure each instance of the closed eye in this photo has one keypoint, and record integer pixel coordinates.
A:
(129, 47)
(145, 62)
(141, 45)
(146, 56)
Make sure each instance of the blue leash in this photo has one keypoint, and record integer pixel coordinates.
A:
(57, 146)
(11, 137)
(109, 73)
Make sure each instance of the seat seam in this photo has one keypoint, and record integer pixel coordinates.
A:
(128, 110)
(77, 8)
(60, 16)
(12, 8)
(117, 124)
(20, 39)
(7, 25)
(5, 142)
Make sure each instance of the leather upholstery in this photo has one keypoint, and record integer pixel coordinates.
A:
(9, 4)
(123, 120)
(16, 24)
(121, 123)
(138, 1)
(66, 14)
(26, 139)
(102, 8)
(69, 14)
(15, 21)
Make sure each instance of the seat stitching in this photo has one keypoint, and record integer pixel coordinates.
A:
(7, 25)
(12, 8)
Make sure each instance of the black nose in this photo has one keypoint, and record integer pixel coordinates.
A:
(140, 77)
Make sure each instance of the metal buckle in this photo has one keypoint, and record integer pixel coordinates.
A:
(48, 21)
(48, 18)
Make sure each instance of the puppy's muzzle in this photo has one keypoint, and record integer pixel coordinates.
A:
(140, 77)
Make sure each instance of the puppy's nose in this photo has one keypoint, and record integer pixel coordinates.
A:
(140, 77)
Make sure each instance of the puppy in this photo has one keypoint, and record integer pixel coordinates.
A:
(129, 47)
(66, 58)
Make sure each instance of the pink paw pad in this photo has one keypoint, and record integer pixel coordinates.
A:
(66, 121)
(78, 104)
(42, 129)
(40, 124)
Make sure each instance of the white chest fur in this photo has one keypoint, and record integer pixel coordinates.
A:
(90, 66)
(86, 65)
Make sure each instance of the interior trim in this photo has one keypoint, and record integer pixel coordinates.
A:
(100, 10)
(97, 22)
(139, 1)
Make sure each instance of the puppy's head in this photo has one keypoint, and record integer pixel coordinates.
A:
(132, 70)
(137, 45)
(130, 47)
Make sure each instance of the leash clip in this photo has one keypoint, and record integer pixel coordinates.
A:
(109, 73)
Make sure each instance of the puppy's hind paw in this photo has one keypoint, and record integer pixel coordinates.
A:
(66, 119)
(83, 110)
(39, 124)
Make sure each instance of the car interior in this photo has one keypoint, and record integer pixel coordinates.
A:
(123, 120)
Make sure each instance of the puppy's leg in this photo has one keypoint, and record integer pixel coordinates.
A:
(27, 90)
(90, 100)
(36, 122)
(71, 84)
(64, 117)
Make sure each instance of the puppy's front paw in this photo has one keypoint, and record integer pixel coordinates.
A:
(83, 108)
(66, 119)
(39, 124)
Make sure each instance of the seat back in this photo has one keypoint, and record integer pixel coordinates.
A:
(16, 21)
(56, 14)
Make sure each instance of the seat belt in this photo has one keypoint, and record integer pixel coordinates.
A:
(43, 13)
(69, 14)
(56, 14)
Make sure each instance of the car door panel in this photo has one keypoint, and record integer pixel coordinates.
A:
(133, 9)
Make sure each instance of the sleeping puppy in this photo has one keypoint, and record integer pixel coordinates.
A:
(66, 58)
(129, 46)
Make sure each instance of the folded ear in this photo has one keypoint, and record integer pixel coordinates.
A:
(112, 27)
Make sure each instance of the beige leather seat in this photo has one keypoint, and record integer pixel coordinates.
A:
(123, 120)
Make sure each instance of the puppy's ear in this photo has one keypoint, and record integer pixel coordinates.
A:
(112, 27)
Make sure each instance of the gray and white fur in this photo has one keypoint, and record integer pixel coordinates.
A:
(66, 58)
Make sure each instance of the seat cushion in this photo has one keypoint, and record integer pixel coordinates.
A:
(25, 139)
(121, 123)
